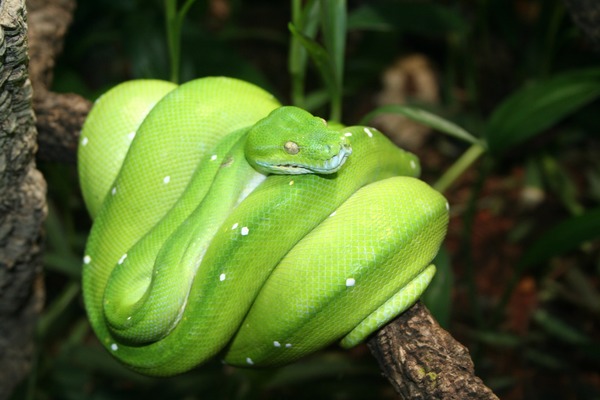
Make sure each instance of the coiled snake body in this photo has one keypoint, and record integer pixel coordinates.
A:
(224, 222)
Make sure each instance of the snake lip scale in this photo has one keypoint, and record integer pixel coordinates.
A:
(200, 247)
(329, 166)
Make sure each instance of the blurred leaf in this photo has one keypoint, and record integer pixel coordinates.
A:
(305, 17)
(333, 27)
(424, 117)
(425, 18)
(559, 328)
(584, 287)
(499, 339)
(500, 383)
(438, 296)
(537, 107)
(333, 22)
(368, 18)
(321, 59)
(315, 100)
(323, 365)
(561, 184)
(563, 237)
(69, 294)
(65, 264)
(97, 359)
(544, 359)
(56, 232)
(593, 179)
(146, 46)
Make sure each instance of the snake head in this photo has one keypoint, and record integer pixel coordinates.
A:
(293, 141)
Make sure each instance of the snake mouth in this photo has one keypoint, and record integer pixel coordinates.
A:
(328, 166)
(334, 163)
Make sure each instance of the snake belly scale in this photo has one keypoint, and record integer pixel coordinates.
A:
(226, 223)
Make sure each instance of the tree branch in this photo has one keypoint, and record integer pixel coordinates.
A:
(59, 116)
(22, 203)
(422, 360)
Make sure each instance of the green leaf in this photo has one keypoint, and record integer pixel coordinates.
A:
(367, 18)
(423, 18)
(333, 26)
(561, 184)
(305, 17)
(559, 328)
(69, 264)
(535, 108)
(424, 117)
(438, 296)
(544, 359)
(498, 339)
(563, 237)
(333, 22)
(320, 366)
(57, 307)
(321, 58)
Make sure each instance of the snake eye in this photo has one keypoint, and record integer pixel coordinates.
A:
(291, 147)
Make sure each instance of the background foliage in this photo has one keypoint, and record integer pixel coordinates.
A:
(519, 275)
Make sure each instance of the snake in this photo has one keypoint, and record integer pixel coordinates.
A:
(228, 225)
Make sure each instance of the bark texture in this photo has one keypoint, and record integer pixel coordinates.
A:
(422, 360)
(22, 202)
(59, 115)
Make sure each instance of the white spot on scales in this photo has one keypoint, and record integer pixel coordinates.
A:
(368, 132)
(249, 361)
(114, 190)
(245, 230)
(278, 344)
(166, 179)
(114, 347)
(222, 277)
(122, 259)
(350, 282)
(213, 157)
(84, 141)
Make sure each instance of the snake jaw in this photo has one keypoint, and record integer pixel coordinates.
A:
(328, 166)
(335, 163)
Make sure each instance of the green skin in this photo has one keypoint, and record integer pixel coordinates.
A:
(238, 226)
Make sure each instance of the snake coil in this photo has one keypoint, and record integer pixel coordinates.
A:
(225, 223)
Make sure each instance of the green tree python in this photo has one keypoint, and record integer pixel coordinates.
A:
(227, 224)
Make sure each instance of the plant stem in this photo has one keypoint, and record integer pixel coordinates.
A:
(333, 24)
(172, 38)
(297, 58)
(57, 308)
(174, 21)
(459, 167)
